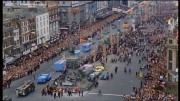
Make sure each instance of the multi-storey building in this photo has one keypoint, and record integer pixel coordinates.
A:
(172, 51)
(73, 14)
(102, 8)
(16, 31)
(8, 40)
(27, 32)
(53, 11)
(92, 10)
(23, 3)
(172, 59)
(42, 26)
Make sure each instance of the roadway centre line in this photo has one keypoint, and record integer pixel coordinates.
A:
(109, 94)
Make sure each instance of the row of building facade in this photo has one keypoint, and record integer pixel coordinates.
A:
(29, 24)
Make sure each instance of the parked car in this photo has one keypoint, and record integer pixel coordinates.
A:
(104, 75)
(25, 89)
(93, 75)
(99, 68)
(43, 78)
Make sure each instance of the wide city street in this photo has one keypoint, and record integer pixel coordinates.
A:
(138, 52)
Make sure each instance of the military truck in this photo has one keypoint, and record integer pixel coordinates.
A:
(72, 62)
(25, 89)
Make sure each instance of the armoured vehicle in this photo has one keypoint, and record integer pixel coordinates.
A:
(25, 89)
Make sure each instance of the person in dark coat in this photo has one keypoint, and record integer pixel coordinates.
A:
(59, 93)
(116, 68)
(54, 95)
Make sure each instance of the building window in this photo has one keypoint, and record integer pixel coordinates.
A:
(17, 42)
(27, 37)
(44, 30)
(22, 24)
(23, 39)
(64, 2)
(40, 19)
(170, 65)
(36, 19)
(169, 77)
(44, 23)
(40, 23)
(47, 30)
(37, 32)
(37, 25)
(170, 41)
(170, 55)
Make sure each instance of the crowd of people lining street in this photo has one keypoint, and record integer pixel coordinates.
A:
(29, 63)
(151, 88)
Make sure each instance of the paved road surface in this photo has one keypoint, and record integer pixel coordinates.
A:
(112, 90)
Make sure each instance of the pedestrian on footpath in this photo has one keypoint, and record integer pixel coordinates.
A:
(99, 92)
(111, 75)
(136, 74)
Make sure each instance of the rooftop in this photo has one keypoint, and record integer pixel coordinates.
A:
(20, 12)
